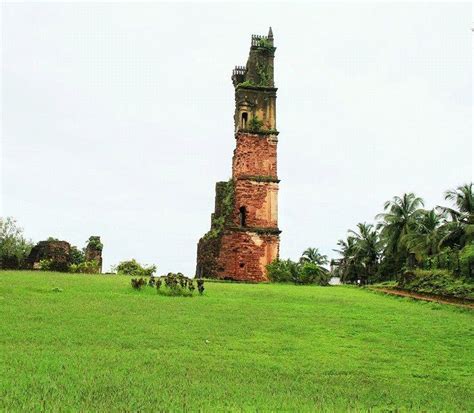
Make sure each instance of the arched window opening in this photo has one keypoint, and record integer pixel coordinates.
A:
(242, 216)
(245, 116)
(241, 265)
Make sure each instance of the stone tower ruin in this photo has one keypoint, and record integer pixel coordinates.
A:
(244, 234)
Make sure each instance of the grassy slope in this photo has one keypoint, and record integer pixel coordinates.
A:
(99, 345)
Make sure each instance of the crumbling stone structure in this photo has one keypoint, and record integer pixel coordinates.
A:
(93, 251)
(58, 252)
(244, 234)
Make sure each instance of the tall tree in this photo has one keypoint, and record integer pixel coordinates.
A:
(313, 255)
(367, 249)
(425, 235)
(14, 248)
(398, 220)
(460, 227)
(347, 268)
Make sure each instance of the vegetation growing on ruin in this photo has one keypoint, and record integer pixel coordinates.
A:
(227, 205)
(255, 124)
(264, 75)
(248, 83)
(95, 243)
(262, 178)
(266, 45)
(98, 345)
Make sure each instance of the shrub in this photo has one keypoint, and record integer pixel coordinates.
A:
(138, 283)
(132, 267)
(436, 281)
(178, 285)
(299, 273)
(76, 255)
(312, 273)
(46, 265)
(86, 267)
(255, 124)
(283, 271)
(448, 259)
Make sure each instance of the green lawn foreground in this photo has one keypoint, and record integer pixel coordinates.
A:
(100, 345)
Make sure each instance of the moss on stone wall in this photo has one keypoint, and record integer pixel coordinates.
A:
(223, 209)
(209, 245)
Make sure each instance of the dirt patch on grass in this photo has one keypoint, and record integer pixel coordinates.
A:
(426, 297)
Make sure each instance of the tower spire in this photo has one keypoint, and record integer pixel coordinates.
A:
(270, 33)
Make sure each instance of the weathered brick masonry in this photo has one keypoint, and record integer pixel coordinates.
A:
(244, 234)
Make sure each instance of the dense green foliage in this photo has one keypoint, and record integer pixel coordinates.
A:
(95, 243)
(466, 260)
(133, 268)
(283, 271)
(408, 237)
(85, 267)
(308, 270)
(438, 282)
(77, 256)
(75, 343)
(14, 247)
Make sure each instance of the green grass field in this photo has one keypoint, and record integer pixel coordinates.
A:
(100, 345)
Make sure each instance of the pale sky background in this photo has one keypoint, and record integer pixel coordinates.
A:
(117, 118)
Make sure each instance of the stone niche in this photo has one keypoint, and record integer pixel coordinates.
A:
(59, 252)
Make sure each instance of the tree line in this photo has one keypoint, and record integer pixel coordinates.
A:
(406, 236)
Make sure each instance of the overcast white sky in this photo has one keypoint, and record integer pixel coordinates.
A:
(117, 118)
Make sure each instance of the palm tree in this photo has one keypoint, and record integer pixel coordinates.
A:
(424, 238)
(347, 268)
(399, 220)
(313, 255)
(367, 249)
(463, 198)
(460, 228)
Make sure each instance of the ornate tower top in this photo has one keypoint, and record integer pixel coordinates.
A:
(258, 72)
(255, 91)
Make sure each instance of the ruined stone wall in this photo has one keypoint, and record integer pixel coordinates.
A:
(260, 202)
(244, 255)
(93, 251)
(256, 102)
(208, 251)
(59, 252)
(208, 248)
(255, 155)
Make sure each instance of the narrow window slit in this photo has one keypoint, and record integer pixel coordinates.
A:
(242, 216)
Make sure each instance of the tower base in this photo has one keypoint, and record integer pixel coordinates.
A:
(240, 254)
